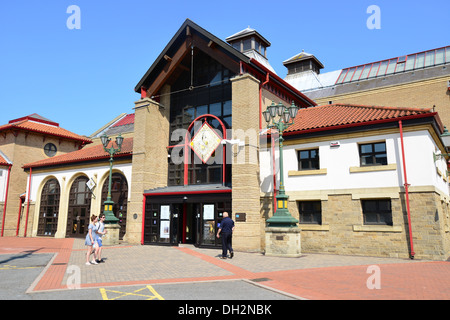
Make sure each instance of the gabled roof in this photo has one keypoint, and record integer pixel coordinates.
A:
(86, 154)
(334, 116)
(39, 124)
(186, 30)
(191, 35)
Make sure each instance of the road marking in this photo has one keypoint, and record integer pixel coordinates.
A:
(137, 293)
(9, 267)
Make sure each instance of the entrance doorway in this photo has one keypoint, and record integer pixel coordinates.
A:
(188, 218)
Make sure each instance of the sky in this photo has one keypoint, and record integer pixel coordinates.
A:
(83, 77)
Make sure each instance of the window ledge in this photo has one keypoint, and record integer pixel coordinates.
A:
(314, 227)
(392, 166)
(293, 173)
(375, 228)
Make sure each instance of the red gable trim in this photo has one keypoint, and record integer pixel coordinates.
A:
(35, 119)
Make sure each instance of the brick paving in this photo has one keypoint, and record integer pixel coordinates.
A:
(312, 276)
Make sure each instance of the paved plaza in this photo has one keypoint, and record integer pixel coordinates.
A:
(47, 268)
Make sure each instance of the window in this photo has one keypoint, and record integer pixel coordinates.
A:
(440, 56)
(391, 67)
(383, 67)
(349, 74)
(373, 154)
(49, 209)
(50, 149)
(308, 159)
(310, 212)
(374, 70)
(429, 58)
(212, 95)
(419, 60)
(342, 76)
(378, 212)
(357, 73)
(410, 62)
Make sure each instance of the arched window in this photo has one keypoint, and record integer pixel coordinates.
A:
(79, 208)
(119, 194)
(49, 209)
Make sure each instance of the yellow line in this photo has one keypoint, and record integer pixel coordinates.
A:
(8, 267)
(156, 295)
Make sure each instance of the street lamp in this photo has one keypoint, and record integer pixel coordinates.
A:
(286, 115)
(108, 211)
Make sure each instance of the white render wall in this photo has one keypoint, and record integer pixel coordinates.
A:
(64, 177)
(3, 183)
(420, 165)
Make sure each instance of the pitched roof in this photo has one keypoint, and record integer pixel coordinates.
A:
(332, 116)
(161, 66)
(128, 119)
(247, 33)
(302, 56)
(4, 161)
(39, 124)
(86, 154)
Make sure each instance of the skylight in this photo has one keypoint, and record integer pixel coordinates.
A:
(396, 65)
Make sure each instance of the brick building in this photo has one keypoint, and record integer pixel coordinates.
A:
(22, 141)
(197, 146)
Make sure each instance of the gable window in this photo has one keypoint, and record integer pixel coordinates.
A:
(308, 159)
(373, 154)
(310, 212)
(377, 212)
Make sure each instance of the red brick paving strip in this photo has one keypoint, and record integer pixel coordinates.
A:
(399, 281)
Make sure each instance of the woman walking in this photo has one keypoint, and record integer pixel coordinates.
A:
(91, 239)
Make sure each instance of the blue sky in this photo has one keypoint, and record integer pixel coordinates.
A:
(84, 78)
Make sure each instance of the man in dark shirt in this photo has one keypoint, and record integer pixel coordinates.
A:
(226, 229)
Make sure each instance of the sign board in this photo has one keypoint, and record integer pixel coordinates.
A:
(90, 184)
(240, 217)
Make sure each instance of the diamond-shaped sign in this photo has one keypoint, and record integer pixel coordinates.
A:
(205, 142)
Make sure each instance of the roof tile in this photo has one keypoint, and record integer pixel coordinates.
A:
(327, 116)
(86, 154)
(44, 127)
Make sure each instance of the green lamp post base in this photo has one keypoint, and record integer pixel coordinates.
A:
(282, 217)
(110, 218)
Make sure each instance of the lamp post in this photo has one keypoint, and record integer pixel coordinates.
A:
(285, 115)
(108, 210)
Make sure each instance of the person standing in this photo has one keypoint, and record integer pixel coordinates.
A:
(91, 240)
(226, 231)
(101, 232)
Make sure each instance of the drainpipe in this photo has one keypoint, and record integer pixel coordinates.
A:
(260, 99)
(406, 191)
(18, 215)
(28, 203)
(6, 199)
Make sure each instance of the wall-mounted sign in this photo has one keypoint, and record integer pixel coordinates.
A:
(240, 217)
(208, 212)
(205, 142)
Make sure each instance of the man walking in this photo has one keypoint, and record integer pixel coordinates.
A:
(226, 230)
